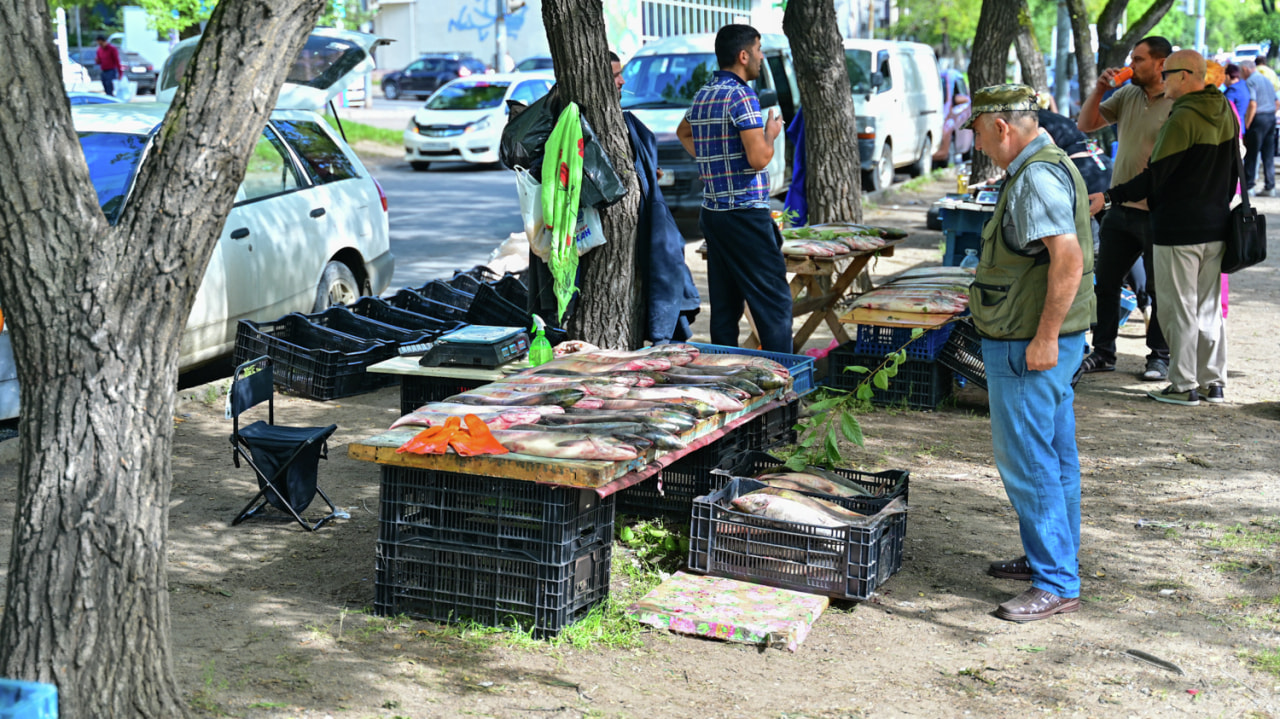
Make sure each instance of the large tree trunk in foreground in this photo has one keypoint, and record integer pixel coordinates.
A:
(611, 303)
(1029, 55)
(997, 27)
(1113, 50)
(1086, 66)
(833, 179)
(96, 313)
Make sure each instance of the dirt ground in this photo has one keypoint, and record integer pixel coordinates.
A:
(1181, 528)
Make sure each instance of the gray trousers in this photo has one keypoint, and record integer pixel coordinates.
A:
(1190, 311)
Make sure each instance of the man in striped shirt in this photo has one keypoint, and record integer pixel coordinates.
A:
(733, 143)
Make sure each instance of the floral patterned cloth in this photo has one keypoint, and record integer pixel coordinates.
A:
(730, 610)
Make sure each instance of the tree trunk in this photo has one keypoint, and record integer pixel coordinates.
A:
(96, 312)
(1029, 55)
(833, 179)
(1085, 65)
(997, 27)
(1115, 55)
(611, 303)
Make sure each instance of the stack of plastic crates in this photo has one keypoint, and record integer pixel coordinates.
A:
(314, 361)
(922, 382)
(847, 562)
(501, 552)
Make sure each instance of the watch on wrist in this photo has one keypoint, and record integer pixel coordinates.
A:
(1106, 200)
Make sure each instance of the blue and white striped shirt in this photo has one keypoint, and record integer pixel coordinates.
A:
(721, 110)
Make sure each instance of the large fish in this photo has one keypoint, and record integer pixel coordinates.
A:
(675, 354)
(732, 360)
(908, 299)
(622, 430)
(822, 505)
(561, 397)
(786, 510)
(596, 388)
(495, 419)
(567, 365)
(808, 482)
(729, 380)
(674, 422)
(683, 393)
(630, 379)
(565, 446)
(689, 405)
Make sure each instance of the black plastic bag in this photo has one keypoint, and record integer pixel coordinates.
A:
(524, 143)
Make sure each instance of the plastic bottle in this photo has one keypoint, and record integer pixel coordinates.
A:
(969, 262)
(539, 348)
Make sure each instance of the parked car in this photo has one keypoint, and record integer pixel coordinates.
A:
(137, 69)
(428, 73)
(463, 121)
(91, 98)
(955, 143)
(309, 224)
(537, 62)
(659, 83)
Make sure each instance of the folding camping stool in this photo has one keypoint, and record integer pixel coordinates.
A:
(286, 459)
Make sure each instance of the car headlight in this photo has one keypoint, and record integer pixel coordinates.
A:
(412, 125)
(479, 125)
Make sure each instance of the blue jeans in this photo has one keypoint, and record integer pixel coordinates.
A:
(109, 81)
(1033, 433)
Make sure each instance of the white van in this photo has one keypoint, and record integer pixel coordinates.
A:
(897, 98)
(659, 83)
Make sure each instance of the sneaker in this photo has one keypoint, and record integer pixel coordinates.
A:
(1095, 363)
(1157, 371)
(1190, 398)
(1211, 394)
(1268, 193)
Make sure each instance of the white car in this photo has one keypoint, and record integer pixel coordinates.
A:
(309, 225)
(464, 119)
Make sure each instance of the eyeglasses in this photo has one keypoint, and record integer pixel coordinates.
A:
(1164, 74)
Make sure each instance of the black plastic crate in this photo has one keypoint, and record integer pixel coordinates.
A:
(342, 319)
(881, 340)
(920, 384)
(409, 300)
(771, 429)
(312, 361)
(686, 478)
(842, 562)
(447, 584)
(464, 282)
(443, 292)
(511, 289)
(376, 308)
(489, 308)
(416, 391)
(962, 353)
(516, 517)
(884, 485)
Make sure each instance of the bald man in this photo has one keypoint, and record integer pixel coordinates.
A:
(1189, 184)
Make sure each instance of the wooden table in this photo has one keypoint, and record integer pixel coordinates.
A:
(415, 379)
(603, 476)
(817, 286)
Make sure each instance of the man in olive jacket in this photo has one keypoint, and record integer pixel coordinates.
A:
(1189, 184)
(1032, 300)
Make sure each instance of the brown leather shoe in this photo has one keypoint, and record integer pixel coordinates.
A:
(1019, 569)
(1036, 604)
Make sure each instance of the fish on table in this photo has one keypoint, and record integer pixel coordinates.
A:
(565, 445)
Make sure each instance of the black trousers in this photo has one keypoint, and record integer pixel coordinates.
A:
(1126, 237)
(745, 264)
(1260, 139)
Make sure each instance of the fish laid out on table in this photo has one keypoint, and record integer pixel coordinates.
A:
(914, 299)
(601, 404)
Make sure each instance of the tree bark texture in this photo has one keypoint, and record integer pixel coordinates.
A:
(832, 176)
(96, 312)
(1112, 51)
(997, 27)
(611, 304)
(1029, 55)
(1086, 66)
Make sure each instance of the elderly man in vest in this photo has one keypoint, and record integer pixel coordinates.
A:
(1032, 301)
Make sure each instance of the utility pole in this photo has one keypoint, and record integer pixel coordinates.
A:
(500, 37)
(1061, 57)
(1200, 20)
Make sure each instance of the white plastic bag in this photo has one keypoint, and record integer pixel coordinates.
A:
(588, 233)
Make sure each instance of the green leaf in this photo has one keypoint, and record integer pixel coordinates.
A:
(824, 405)
(808, 440)
(797, 462)
(865, 392)
(901, 356)
(851, 429)
(880, 380)
(891, 371)
(655, 532)
(626, 535)
(832, 448)
(857, 368)
(1030, 648)
(916, 332)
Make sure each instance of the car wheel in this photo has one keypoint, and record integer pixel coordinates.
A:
(390, 91)
(420, 166)
(924, 163)
(338, 286)
(882, 174)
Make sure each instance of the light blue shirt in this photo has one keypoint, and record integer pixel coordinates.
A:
(1041, 201)
(1261, 92)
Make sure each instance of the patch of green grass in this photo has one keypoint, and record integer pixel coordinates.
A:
(204, 698)
(1171, 533)
(269, 705)
(916, 183)
(1158, 585)
(1255, 535)
(1267, 660)
(357, 132)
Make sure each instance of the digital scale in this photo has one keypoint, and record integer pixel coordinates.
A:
(472, 346)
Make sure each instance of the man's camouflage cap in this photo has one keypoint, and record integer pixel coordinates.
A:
(1005, 98)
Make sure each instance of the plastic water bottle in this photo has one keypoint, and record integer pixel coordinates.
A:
(539, 349)
(970, 261)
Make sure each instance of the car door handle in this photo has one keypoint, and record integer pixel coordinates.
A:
(240, 234)
(318, 212)
(927, 112)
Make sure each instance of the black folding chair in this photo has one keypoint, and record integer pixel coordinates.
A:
(286, 459)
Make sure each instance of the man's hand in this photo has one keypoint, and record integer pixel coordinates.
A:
(772, 126)
(1042, 354)
(1095, 203)
(1104, 78)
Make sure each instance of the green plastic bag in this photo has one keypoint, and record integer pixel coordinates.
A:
(561, 189)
